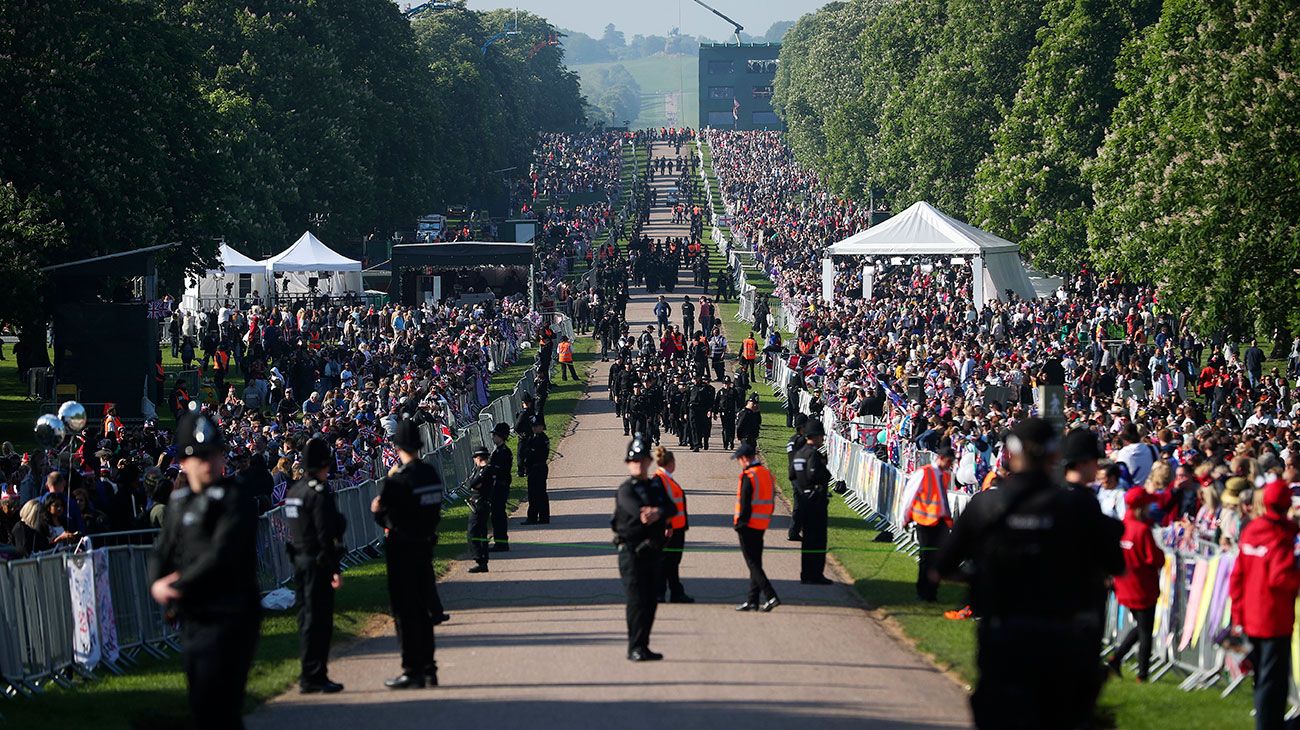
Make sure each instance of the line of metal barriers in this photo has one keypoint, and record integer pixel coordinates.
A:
(1192, 615)
(70, 614)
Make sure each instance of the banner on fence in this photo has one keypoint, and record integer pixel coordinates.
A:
(85, 622)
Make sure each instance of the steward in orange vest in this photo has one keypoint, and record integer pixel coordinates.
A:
(564, 351)
(755, 502)
(670, 581)
(926, 506)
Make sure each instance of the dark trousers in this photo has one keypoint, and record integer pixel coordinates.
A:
(814, 539)
(1272, 677)
(216, 656)
(728, 430)
(640, 574)
(315, 618)
(701, 429)
(688, 326)
(929, 538)
(749, 366)
(719, 368)
(410, 581)
(670, 575)
(566, 369)
(479, 517)
(539, 502)
(751, 546)
(796, 514)
(500, 521)
(1140, 634)
(1014, 691)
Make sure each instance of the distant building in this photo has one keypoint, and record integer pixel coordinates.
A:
(736, 85)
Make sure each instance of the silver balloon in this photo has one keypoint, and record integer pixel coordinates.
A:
(49, 431)
(193, 406)
(73, 415)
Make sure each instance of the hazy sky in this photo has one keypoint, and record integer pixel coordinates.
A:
(659, 16)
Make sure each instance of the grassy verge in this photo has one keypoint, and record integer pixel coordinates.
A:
(886, 580)
(152, 695)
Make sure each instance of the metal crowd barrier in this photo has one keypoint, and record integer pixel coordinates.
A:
(70, 613)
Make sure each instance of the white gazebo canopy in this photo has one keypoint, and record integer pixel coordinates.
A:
(923, 230)
(231, 261)
(309, 254)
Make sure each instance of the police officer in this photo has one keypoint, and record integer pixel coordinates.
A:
(749, 422)
(204, 570)
(316, 545)
(501, 459)
(812, 484)
(536, 453)
(700, 401)
(642, 510)
(409, 506)
(1026, 545)
(481, 486)
(728, 402)
(795, 443)
(524, 426)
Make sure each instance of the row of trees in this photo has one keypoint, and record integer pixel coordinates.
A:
(131, 122)
(1160, 140)
(614, 94)
(613, 44)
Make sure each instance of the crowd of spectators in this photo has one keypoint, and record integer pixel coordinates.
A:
(274, 376)
(917, 365)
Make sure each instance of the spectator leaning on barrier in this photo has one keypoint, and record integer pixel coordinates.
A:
(1138, 587)
(1265, 581)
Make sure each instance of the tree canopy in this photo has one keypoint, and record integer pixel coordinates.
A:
(1156, 139)
(134, 122)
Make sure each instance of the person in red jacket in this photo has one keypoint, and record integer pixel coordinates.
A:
(1138, 587)
(1263, 587)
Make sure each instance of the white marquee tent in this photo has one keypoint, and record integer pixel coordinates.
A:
(292, 268)
(232, 268)
(923, 230)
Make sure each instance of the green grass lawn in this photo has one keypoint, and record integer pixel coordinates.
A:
(657, 76)
(886, 580)
(153, 694)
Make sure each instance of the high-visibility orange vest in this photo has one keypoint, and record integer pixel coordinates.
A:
(566, 351)
(927, 505)
(749, 349)
(678, 521)
(763, 503)
(221, 361)
(112, 424)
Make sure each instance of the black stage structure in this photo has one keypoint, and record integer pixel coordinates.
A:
(106, 328)
(453, 269)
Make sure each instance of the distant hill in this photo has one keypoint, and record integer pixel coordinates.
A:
(659, 76)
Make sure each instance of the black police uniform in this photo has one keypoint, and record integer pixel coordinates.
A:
(701, 397)
(537, 452)
(747, 426)
(795, 443)
(481, 485)
(316, 546)
(1026, 546)
(640, 553)
(210, 539)
(410, 507)
(727, 405)
(524, 429)
(501, 459)
(812, 482)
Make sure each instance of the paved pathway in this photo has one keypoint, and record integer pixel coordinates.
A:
(540, 641)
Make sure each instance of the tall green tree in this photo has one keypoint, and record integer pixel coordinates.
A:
(1196, 182)
(1031, 188)
(936, 128)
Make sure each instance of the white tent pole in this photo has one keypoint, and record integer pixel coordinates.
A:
(977, 281)
(828, 280)
(868, 279)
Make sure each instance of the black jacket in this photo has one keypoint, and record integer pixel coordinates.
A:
(748, 424)
(410, 503)
(812, 477)
(1031, 548)
(210, 538)
(315, 524)
(632, 495)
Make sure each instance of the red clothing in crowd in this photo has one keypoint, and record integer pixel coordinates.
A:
(1265, 578)
(1138, 586)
